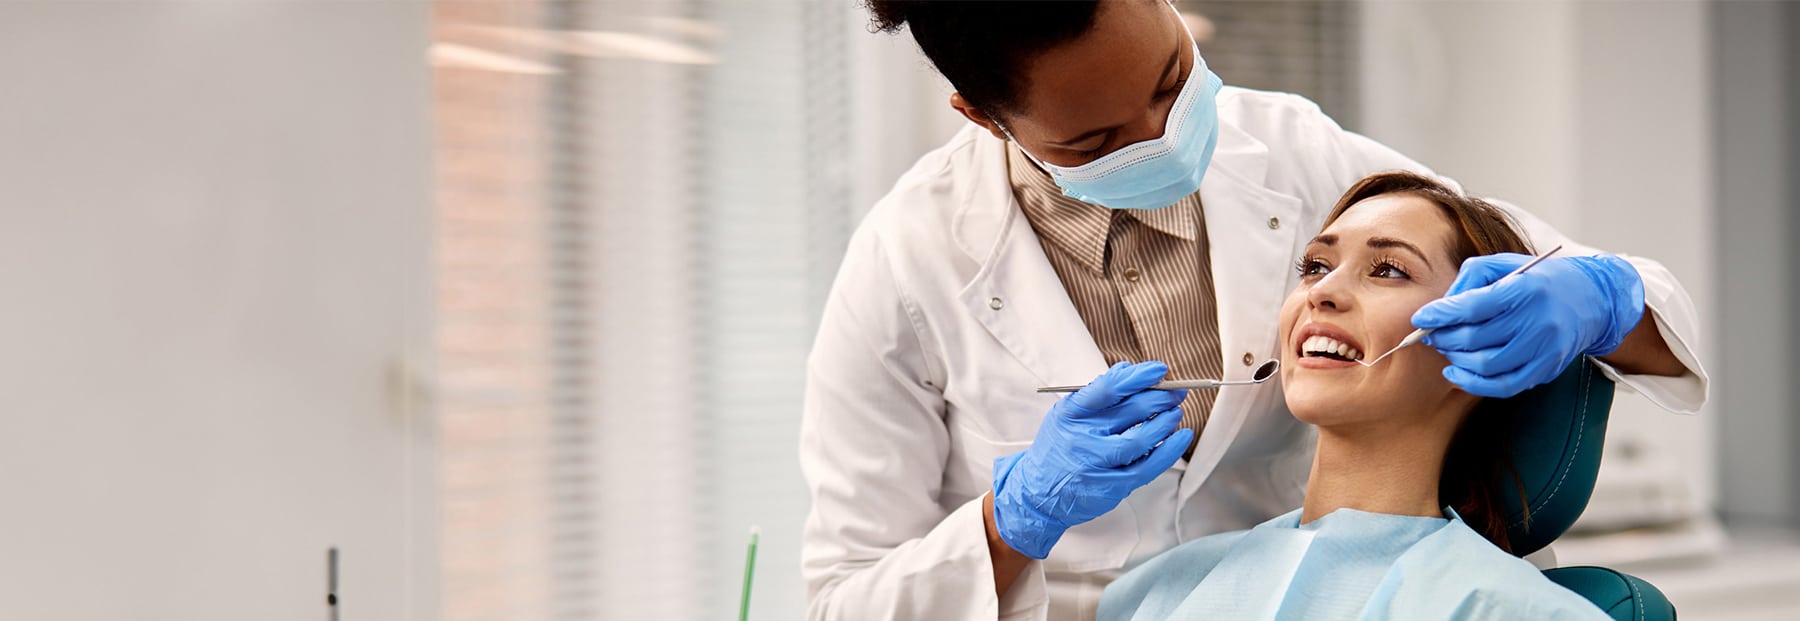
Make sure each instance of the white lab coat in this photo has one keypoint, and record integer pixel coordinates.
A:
(946, 314)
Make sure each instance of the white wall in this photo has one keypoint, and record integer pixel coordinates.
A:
(1482, 91)
(1594, 115)
(1648, 186)
(1759, 141)
(213, 248)
(899, 106)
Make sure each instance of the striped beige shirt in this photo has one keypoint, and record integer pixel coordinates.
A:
(1140, 279)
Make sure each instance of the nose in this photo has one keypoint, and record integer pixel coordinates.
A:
(1330, 292)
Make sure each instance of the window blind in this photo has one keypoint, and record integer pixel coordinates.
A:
(1307, 47)
(685, 175)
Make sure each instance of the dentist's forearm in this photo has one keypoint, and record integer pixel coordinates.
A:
(1008, 563)
(1644, 352)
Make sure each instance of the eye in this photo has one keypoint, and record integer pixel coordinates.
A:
(1311, 268)
(1387, 268)
(1173, 90)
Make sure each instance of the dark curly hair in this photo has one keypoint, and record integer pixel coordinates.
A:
(982, 47)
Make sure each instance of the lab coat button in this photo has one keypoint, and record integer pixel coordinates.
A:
(1274, 223)
(996, 304)
(1249, 359)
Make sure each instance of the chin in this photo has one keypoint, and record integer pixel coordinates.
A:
(1331, 398)
(1314, 400)
(1316, 408)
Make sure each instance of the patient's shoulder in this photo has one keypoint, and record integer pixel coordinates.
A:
(1156, 587)
(1463, 576)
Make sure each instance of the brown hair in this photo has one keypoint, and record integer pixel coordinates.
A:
(1479, 459)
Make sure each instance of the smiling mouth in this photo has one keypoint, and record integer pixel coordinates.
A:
(1319, 346)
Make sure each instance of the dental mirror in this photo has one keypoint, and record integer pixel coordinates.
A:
(1262, 374)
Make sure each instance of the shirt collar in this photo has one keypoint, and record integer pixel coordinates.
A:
(1080, 228)
(1176, 219)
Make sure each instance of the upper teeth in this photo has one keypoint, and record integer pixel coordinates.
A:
(1328, 345)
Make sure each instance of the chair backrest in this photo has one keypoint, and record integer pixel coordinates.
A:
(1559, 433)
(1620, 595)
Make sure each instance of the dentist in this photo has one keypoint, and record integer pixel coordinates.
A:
(1112, 201)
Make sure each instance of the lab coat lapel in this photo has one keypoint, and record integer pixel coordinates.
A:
(1037, 323)
(1251, 232)
(1017, 295)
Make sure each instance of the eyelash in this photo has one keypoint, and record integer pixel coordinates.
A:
(1389, 263)
(1099, 150)
(1174, 90)
(1308, 263)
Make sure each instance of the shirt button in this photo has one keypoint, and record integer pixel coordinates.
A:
(996, 304)
(1274, 223)
(1131, 274)
(1249, 359)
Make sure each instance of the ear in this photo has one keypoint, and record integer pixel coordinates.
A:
(976, 116)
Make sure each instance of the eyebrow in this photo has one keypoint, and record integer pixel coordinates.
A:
(1389, 242)
(1170, 66)
(1331, 239)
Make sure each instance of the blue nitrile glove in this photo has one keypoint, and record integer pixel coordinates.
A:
(1093, 449)
(1516, 334)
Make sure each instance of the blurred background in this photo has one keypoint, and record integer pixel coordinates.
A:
(507, 300)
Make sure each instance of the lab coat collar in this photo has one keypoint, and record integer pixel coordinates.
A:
(1079, 227)
(987, 202)
(1076, 228)
(1252, 232)
(1018, 298)
(1016, 295)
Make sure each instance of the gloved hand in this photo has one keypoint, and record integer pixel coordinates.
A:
(1523, 332)
(1093, 449)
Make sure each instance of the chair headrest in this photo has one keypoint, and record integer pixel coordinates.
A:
(1560, 431)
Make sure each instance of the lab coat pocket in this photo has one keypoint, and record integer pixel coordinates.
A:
(970, 471)
(1104, 543)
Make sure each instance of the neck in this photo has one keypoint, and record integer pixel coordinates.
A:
(1392, 470)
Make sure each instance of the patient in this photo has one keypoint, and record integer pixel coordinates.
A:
(1401, 517)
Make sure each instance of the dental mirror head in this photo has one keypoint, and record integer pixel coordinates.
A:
(1266, 371)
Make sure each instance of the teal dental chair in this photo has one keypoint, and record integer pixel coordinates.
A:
(1561, 427)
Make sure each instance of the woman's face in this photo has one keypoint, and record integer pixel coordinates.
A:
(1111, 87)
(1361, 280)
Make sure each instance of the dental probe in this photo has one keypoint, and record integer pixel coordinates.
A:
(1419, 334)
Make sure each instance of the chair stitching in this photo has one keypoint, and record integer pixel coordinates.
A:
(1580, 430)
(1637, 598)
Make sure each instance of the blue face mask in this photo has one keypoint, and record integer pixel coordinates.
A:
(1158, 172)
